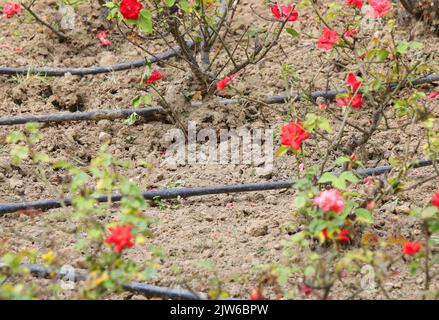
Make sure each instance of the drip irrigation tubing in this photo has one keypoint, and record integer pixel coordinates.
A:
(145, 289)
(191, 192)
(81, 116)
(59, 72)
(122, 113)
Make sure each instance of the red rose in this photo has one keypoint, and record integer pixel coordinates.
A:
(355, 3)
(121, 237)
(342, 235)
(355, 102)
(435, 199)
(102, 36)
(130, 9)
(256, 294)
(433, 95)
(410, 248)
(293, 135)
(327, 39)
(10, 9)
(350, 33)
(286, 11)
(352, 81)
(305, 289)
(154, 77)
(379, 8)
(222, 84)
(330, 200)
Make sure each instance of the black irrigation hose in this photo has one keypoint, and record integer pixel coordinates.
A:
(331, 94)
(122, 113)
(145, 289)
(80, 116)
(192, 192)
(58, 72)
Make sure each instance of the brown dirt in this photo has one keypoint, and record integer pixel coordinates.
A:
(237, 240)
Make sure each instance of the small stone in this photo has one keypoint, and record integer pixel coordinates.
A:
(5, 164)
(397, 285)
(404, 209)
(258, 230)
(104, 137)
(171, 165)
(208, 218)
(15, 183)
(104, 125)
(420, 280)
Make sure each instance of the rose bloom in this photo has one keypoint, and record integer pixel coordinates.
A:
(435, 199)
(355, 102)
(327, 39)
(256, 294)
(286, 11)
(222, 84)
(121, 237)
(130, 9)
(10, 9)
(433, 95)
(355, 3)
(330, 200)
(293, 135)
(154, 77)
(379, 8)
(102, 36)
(352, 81)
(343, 235)
(350, 33)
(410, 248)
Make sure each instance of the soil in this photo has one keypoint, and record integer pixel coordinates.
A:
(237, 240)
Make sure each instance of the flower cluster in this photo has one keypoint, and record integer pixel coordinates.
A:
(287, 12)
(435, 199)
(379, 8)
(410, 248)
(355, 101)
(355, 3)
(121, 237)
(10, 9)
(154, 77)
(102, 36)
(222, 84)
(328, 39)
(130, 9)
(293, 135)
(330, 200)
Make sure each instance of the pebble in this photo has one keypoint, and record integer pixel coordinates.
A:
(404, 209)
(104, 137)
(258, 230)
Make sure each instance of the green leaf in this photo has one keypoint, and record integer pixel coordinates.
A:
(349, 176)
(185, 6)
(327, 177)
(324, 124)
(281, 151)
(379, 54)
(145, 21)
(429, 212)
(300, 202)
(364, 215)
(341, 160)
(169, 3)
(402, 47)
(292, 32)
